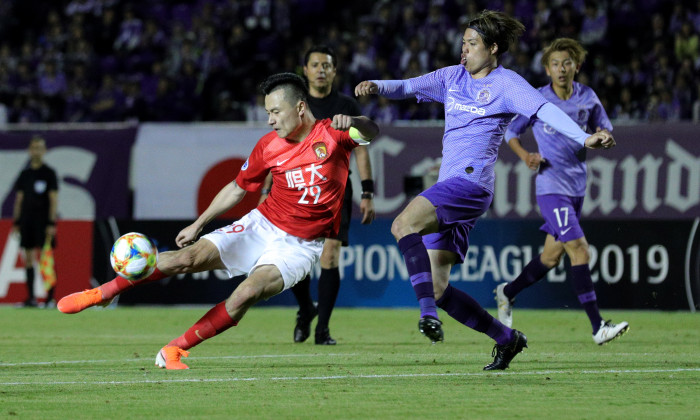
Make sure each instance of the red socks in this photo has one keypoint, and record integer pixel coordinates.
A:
(120, 284)
(214, 322)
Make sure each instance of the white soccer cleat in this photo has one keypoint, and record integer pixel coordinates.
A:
(505, 306)
(609, 331)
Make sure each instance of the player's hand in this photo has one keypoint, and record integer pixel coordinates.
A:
(341, 122)
(533, 160)
(601, 139)
(50, 231)
(366, 88)
(367, 209)
(187, 236)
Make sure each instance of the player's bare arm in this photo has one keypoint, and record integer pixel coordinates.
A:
(532, 160)
(367, 129)
(229, 196)
(364, 167)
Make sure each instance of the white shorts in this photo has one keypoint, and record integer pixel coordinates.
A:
(253, 241)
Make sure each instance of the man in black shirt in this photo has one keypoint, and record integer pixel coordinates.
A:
(35, 209)
(325, 102)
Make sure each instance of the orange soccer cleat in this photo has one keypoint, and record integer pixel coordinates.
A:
(76, 302)
(169, 357)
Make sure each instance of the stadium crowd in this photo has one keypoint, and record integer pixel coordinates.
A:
(168, 60)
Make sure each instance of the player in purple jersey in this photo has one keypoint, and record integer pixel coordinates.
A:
(480, 99)
(561, 185)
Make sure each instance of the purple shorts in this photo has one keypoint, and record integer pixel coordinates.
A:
(458, 204)
(561, 216)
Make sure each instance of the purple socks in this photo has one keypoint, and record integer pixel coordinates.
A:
(583, 286)
(418, 264)
(534, 271)
(466, 310)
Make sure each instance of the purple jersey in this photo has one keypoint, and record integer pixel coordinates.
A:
(477, 113)
(565, 169)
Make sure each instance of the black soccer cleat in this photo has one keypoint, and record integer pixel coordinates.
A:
(431, 327)
(302, 330)
(324, 338)
(503, 354)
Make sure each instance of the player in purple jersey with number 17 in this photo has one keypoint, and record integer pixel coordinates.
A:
(480, 99)
(561, 185)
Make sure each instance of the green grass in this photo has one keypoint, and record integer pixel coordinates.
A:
(99, 364)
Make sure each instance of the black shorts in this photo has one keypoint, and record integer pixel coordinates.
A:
(345, 215)
(33, 235)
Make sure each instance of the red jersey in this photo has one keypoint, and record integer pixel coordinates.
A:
(308, 179)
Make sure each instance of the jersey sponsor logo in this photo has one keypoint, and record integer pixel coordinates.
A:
(321, 150)
(451, 104)
(281, 162)
(483, 96)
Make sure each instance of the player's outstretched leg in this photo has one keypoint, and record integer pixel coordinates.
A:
(609, 331)
(103, 295)
(503, 354)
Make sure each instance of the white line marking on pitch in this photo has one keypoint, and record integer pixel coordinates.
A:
(257, 356)
(324, 378)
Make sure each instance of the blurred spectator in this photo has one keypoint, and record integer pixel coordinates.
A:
(228, 110)
(626, 109)
(363, 59)
(687, 43)
(679, 15)
(696, 105)
(135, 107)
(414, 51)
(255, 110)
(108, 101)
(106, 32)
(386, 111)
(594, 26)
(130, 31)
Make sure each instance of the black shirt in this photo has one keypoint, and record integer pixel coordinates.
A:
(36, 184)
(333, 104)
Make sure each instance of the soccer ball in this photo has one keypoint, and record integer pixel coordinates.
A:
(134, 256)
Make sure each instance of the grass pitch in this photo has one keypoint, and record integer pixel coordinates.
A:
(99, 364)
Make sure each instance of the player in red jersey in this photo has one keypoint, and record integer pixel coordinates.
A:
(276, 244)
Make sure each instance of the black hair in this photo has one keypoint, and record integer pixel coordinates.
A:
(497, 28)
(323, 49)
(295, 88)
